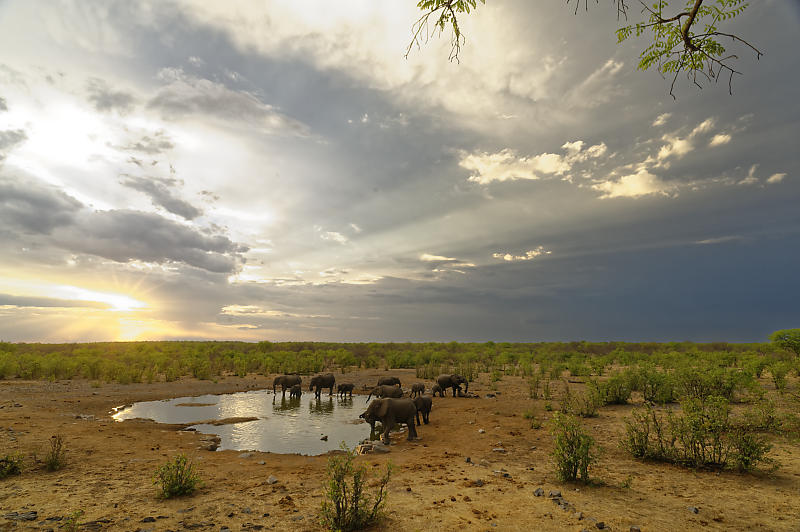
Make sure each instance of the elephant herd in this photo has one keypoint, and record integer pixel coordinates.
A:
(390, 406)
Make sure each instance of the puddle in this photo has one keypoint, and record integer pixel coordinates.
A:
(283, 425)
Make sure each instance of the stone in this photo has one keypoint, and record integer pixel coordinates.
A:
(262, 462)
(245, 455)
(538, 492)
(635, 529)
(468, 460)
(498, 450)
(22, 516)
(479, 483)
(272, 480)
(324, 438)
(149, 519)
(600, 525)
(693, 509)
(554, 493)
(490, 395)
(481, 431)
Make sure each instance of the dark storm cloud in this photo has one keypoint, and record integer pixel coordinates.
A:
(34, 207)
(158, 190)
(104, 98)
(43, 302)
(131, 235)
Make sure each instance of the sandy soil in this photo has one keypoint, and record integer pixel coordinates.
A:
(110, 466)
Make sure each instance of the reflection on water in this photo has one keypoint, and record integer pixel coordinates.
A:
(284, 426)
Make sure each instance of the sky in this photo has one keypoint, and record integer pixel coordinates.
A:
(278, 170)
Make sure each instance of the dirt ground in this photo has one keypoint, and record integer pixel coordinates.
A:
(434, 487)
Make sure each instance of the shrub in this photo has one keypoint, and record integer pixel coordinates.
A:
(581, 404)
(347, 506)
(788, 339)
(177, 477)
(56, 457)
(614, 391)
(779, 370)
(656, 386)
(10, 464)
(572, 450)
(533, 386)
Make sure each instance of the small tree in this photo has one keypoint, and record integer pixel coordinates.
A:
(572, 450)
(177, 477)
(347, 506)
(788, 339)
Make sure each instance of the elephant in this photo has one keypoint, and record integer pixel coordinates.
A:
(437, 389)
(385, 390)
(454, 382)
(295, 392)
(345, 388)
(389, 381)
(424, 404)
(285, 382)
(322, 381)
(390, 412)
(417, 388)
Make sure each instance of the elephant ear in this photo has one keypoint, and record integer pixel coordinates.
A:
(383, 408)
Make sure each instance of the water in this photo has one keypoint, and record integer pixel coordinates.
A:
(283, 426)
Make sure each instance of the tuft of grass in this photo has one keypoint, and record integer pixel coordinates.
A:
(177, 477)
(10, 464)
(56, 457)
(71, 522)
(347, 506)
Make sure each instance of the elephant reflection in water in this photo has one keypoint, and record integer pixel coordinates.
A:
(320, 406)
(286, 405)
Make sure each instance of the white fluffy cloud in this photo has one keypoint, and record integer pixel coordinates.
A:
(529, 255)
(641, 183)
(776, 178)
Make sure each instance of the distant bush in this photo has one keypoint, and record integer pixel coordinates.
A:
(582, 404)
(573, 449)
(56, 456)
(779, 371)
(177, 477)
(616, 390)
(656, 386)
(703, 435)
(10, 464)
(347, 506)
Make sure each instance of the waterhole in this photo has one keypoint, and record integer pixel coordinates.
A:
(280, 424)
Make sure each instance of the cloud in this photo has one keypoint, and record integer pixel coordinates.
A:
(3, 106)
(661, 119)
(7, 300)
(333, 236)
(720, 139)
(678, 147)
(506, 165)
(9, 139)
(184, 94)
(529, 255)
(776, 178)
(157, 144)
(641, 183)
(261, 312)
(105, 99)
(157, 189)
(124, 235)
(34, 207)
(718, 240)
(427, 257)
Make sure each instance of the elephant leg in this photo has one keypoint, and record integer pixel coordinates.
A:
(425, 417)
(412, 430)
(385, 438)
(418, 417)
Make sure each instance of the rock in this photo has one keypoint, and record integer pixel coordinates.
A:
(484, 462)
(245, 455)
(600, 525)
(635, 529)
(481, 431)
(468, 460)
(554, 493)
(224, 529)
(538, 492)
(272, 480)
(693, 509)
(490, 395)
(149, 519)
(262, 462)
(579, 516)
(324, 438)
(479, 483)
(22, 516)
(498, 450)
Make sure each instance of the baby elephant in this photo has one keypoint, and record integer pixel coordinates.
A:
(437, 389)
(423, 404)
(417, 388)
(345, 388)
(295, 392)
(391, 412)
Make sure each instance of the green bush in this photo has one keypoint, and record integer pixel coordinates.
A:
(573, 449)
(347, 506)
(177, 477)
(788, 339)
(655, 385)
(56, 457)
(10, 464)
(584, 404)
(779, 370)
(616, 390)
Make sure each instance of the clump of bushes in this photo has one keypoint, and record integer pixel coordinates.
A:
(573, 449)
(10, 464)
(177, 477)
(581, 404)
(703, 435)
(347, 506)
(56, 457)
